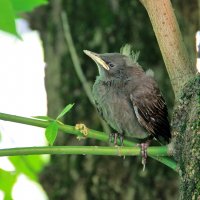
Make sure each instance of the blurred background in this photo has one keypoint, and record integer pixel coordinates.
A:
(101, 26)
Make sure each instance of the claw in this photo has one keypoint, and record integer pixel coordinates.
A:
(114, 136)
(111, 136)
(144, 147)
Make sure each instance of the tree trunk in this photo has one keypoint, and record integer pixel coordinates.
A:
(186, 134)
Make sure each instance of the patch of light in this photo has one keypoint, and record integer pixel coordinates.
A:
(23, 185)
(22, 87)
(198, 50)
(22, 92)
(5, 164)
(1, 195)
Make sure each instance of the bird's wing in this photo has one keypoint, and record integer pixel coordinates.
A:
(151, 112)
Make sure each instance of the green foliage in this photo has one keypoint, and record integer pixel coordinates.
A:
(9, 9)
(7, 17)
(52, 130)
(20, 6)
(7, 181)
(65, 110)
(28, 165)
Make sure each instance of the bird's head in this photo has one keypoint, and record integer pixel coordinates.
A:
(111, 65)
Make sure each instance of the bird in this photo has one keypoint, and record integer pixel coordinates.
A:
(129, 100)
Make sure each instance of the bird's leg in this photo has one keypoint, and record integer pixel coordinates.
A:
(121, 138)
(111, 136)
(114, 136)
(144, 147)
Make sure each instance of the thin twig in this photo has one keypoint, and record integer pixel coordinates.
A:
(83, 150)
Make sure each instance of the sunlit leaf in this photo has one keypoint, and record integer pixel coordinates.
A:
(7, 18)
(51, 132)
(29, 165)
(65, 110)
(7, 181)
(26, 5)
(9, 9)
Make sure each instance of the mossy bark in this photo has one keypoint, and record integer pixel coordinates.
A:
(186, 139)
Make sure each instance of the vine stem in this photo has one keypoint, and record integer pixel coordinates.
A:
(159, 153)
(83, 150)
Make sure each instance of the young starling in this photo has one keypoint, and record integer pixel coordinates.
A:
(129, 100)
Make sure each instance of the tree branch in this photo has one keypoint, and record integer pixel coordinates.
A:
(170, 41)
(83, 150)
(161, 150)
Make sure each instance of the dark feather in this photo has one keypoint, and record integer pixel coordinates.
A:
(151, 112)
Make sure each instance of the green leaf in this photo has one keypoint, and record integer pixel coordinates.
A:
(26, 5)
(65, 110)
(51, 132)
(29, 165)
(7, 18)
(7, 182)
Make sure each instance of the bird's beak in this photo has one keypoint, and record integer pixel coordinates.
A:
(96, 57)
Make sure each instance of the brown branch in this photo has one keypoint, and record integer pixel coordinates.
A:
(170, 42)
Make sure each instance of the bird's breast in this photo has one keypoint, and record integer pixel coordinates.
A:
(115, 107)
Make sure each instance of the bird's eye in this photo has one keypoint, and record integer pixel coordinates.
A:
(111, 65)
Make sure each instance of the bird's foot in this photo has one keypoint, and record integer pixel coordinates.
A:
(114, 136)
(144, 147)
